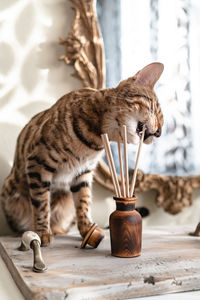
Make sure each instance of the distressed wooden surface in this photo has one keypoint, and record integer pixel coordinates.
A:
(170, 262)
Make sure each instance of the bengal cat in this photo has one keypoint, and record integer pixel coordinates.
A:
(60, 147)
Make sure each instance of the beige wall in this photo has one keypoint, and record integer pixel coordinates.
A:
(32, 78)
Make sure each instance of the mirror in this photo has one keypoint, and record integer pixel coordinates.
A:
(135, 33)
(148, 40)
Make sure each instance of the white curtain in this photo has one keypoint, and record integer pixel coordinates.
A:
(169, 32)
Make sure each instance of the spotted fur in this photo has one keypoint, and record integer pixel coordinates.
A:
(60, 147)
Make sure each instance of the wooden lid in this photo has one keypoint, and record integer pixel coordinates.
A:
(93, 236)
(88, 235)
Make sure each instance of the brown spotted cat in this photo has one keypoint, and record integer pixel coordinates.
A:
(59, 148)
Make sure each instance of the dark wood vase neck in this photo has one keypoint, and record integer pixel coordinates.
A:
(126, 206)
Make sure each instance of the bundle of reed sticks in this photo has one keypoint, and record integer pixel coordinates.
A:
(125, 190)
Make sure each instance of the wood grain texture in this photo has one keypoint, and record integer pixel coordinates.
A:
(125, 229)
(170, 262)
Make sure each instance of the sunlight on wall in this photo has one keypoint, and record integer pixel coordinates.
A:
(31, 76)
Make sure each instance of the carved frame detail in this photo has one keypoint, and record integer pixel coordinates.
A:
(84, 49)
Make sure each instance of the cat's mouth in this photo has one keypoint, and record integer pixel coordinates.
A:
(147, 133)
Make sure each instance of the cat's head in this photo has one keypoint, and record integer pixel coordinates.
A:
(139, 106)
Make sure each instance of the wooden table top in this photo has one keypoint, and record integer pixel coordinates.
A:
(170, 262)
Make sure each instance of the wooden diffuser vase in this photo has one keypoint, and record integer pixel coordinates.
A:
(125, 228)
(125, 221)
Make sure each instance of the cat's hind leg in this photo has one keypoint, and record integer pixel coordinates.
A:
(62, 212)
(16, 207)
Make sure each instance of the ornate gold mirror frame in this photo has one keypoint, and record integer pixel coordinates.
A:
(84, 49)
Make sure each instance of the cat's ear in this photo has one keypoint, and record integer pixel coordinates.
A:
(149, 75)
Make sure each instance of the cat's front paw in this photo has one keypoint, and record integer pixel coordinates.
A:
(46, 238)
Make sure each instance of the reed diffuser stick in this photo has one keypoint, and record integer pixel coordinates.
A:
(121, 167)
(126, 161)
(136, 163)
(111, 164)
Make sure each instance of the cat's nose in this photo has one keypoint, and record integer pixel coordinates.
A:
(157, 133)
